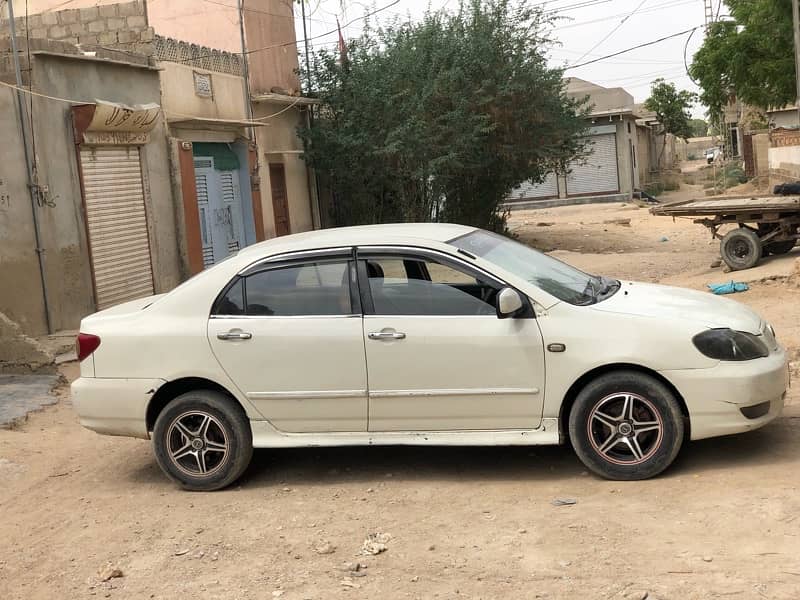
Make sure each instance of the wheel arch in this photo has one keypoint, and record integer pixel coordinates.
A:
(172, 389)
(580, 383)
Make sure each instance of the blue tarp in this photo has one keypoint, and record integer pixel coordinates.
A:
(728, 288)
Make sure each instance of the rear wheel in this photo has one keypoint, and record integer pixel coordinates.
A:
(741, 249)
(202, 440)
(626, 426)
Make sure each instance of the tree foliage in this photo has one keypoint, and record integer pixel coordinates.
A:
(751, 57)
(440, 119)
(699, 127)
(672, 108)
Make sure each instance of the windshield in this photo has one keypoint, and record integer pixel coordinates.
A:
(551, 275)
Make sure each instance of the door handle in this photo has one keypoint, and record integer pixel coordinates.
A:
(386, 335)
(234, 335)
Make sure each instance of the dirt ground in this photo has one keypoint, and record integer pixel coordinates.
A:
(723, 522)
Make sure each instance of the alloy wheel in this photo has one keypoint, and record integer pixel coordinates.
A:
(625, 429)
(197, 443)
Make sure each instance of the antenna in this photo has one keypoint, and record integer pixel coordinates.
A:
(709, 8)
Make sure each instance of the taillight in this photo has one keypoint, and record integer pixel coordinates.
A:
(86, 344)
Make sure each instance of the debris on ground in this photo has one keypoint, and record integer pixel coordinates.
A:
(182, 551)
(109, 572)
(731, 287)
(375, 543)
(663, 238)
(324, 547)
(622, 222)
(563, 501)
(545, 224)
(353, 567)
(717, 262)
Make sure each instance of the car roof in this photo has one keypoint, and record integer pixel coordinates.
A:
(358, 236)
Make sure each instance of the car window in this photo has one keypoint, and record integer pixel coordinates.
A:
(232, 302)
(426, 287)
(311, 289)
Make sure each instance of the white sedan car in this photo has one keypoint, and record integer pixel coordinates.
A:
(425, 334)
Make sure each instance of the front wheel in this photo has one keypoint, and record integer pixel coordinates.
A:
(202, 440)
(626, 426)
(741, 249)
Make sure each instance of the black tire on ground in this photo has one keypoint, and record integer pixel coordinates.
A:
(626, 425)
(779, 247)
(202, 440)
(741, 249)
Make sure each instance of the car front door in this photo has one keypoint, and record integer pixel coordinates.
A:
(438, 356)
(290, 337)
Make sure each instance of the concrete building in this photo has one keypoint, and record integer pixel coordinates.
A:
(611, 171)
(161, 178)
(785, 117)
(104, 203)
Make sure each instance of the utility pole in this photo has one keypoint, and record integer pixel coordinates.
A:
(33, 187)
(796, 18)
(305, 40)
(248, 107)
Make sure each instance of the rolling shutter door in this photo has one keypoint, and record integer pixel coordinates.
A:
(536, 191)
(599, 175)
(117, 224)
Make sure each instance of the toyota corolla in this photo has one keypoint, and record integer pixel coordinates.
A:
(424, 334)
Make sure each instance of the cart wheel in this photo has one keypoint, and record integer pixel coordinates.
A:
(741, 249)
(779, 247)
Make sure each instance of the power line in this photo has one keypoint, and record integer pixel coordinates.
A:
(295, 41)
(613, 31)
(632, 48)
(655, 8)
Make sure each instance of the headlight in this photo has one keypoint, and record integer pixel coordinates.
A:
(727, 344)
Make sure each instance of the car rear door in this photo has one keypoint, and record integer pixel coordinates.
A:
(289, 334)
(438, 357)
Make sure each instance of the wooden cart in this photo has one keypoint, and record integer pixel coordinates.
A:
(766, 224)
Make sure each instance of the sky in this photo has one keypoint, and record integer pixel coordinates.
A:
(598, 28)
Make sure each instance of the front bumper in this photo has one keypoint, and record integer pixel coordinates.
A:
(715, 397)
(114, 406)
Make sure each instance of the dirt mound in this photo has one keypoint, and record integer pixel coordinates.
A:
(759, 185)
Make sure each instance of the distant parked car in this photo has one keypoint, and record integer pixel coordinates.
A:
(421, 334)
(712, 154)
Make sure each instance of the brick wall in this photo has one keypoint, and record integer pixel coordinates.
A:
(122, 26)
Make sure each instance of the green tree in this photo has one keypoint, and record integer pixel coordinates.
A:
(699, 127)
(672, 110)
(440, 119)
(751, 57)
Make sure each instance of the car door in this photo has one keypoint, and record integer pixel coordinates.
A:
(438, 356)
(290, 336)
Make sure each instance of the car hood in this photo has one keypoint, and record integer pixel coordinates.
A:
(665, 302)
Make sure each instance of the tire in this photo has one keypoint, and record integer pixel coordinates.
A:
(604, 411)
(741, 249)
(203, 430)
(783, 247)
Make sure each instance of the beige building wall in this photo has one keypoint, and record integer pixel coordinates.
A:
(179, 99)
(63, 230)
(278, 143)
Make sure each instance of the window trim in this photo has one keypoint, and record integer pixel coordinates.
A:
(363, 253)
(308, 258)
(294, 256)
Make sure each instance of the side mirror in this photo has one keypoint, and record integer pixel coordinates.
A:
(509, 303)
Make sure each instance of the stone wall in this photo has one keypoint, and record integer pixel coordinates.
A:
(123, 26)
(784, 156)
